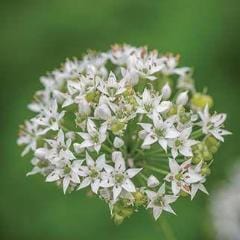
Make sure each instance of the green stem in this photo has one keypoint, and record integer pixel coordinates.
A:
(106, 148)
(143, 176)
(197, 134)
(158, 170)
(135, 146)
(166, 230)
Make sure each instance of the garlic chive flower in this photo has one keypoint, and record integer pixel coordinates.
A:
(122, 123)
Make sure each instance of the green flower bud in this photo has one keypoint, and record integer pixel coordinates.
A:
(200, 100)
(140, 198)
(207, 156)
(92, 96)
(196, 159)
(118, 219)
(183, 194)
(121, 211)
(205, 171)
(127, 212)
(117, 126)
(212, 144)
(172, 111)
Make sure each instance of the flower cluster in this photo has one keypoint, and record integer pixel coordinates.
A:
(127, 124)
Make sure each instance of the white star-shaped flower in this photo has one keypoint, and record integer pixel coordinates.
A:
(177, 176)
(67, 171)
(213, 124)
(92, 172)
(196, 179)
(94, 137)
(146, 66)
(112, 87)
(49, 118)
(160, 131)
(149, 103)
(159, 201)
(182, 144)
(118, 176)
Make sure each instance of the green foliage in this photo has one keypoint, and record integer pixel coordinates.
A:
(37, 35)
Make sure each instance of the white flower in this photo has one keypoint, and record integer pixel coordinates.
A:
(213, 124)
(152, 182)
(49, 118)
(112, 87)
(59, 149)
(147, 66)
(161, 131)
(68, 172)
(159, 201)
(182, 144)
(39, 166)
(195, 178)
(29, 135)
(118, 177)
(92, 172)
(177, 176)
(150, 103)
(94, 137)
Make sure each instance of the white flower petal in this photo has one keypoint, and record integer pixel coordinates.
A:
(129, 186)
(116, 191)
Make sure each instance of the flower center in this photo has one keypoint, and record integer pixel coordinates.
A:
(178, 143)
(95, 138)
(119, 178)
(148, 107)
(160, 132)
(93, 173)
(67, 170)
(158, 201)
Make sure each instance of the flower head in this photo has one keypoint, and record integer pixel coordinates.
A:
(121, 123)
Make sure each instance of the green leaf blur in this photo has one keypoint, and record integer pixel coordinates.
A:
(35, 36)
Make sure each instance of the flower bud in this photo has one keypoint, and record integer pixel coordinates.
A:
(118, 219)
(118, 142)
(172, 111)
(84, 107)
(117, 127)
(182, 98)
(152, 182)
(103, 112)
(140, 198)
(40, 153)
(207, 156)
(183, 194)
(196, 159)
(92, 96)
(166, 91)
(212, 144)
(205, 171)
(199, 101)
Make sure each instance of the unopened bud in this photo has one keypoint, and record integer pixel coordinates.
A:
(182, 98)
(40, 153)
(166, 91)
(118, 142)
(199, 101)
(152, 182)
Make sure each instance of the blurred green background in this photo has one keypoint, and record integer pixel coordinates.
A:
(35, 36)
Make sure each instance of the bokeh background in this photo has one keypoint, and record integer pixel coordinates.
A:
(35, 36)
